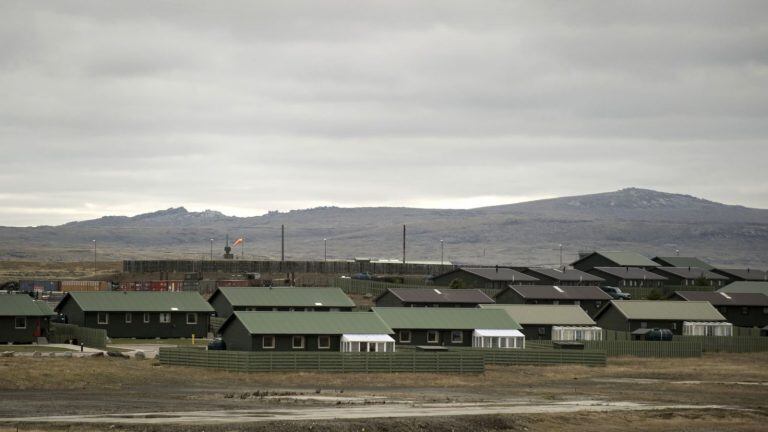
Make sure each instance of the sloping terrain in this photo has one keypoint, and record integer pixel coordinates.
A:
(649, 222)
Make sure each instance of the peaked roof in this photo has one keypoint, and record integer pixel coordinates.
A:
(326, 323)
(565, 275)
(678, 261)
(137, 301)
(501, 274)
(441, 295)
(550, 292)
(664, 310)
(690, 273)
(745, 287)
(725, 299)
(545, 314)
(22, 305)
(629, 273)
(752, 275)
(622, 259)
(284, 297)
(446, 318)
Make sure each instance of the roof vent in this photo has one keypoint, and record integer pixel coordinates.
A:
(726, 296)
(174, 308)
(437, 291)
(318, 304)
(558, 289)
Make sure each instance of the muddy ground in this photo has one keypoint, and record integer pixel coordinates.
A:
(716, 392)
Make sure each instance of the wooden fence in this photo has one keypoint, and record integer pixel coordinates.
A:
(658, 349)
(728, 344)
(411, 361)
(270, 267)
(67, 333)
(544, 357)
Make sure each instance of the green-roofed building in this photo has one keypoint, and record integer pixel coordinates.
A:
(23, 319)
(226, 300)
(746, 287)
(552, 322)
(308, 331)
(488, 328)
(612, 259)
(689, 318)
(139, 314)
(682, 261)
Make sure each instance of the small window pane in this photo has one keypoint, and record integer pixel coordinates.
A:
(20, 322)
(268, 342)
(324, 342)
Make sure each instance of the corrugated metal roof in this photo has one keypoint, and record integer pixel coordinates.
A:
(746, 287)
(330, 323)
(566, 275)
(752, 275)
(549, 292)
(667, 310)
(726, 299)
(501, 274)
(446, 318)
(546, 314)
(22, 305)
(678, 261)
(625, 259)
(138, 301)
(441, 295)
(690, 273)
(285, 297)
(630, 273)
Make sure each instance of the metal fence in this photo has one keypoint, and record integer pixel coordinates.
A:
(269, 267)
(68, 333)
(544, 357)
(746, 331)
(411, 361)
(728, 344)
(613, 335)
(658, 349)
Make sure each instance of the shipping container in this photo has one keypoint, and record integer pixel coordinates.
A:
(233, 283)
(68, 286)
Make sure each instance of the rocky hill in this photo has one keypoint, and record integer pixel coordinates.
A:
(645, 221)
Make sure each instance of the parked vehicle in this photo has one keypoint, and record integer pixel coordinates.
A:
(362, 276)
(659, 334)
(217, 344)
(616, 293)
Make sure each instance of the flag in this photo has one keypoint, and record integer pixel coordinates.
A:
(237, 242)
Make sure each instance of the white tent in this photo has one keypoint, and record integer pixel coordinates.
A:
(700, 328)
(489, 338)
(576, 333)
(367, 343)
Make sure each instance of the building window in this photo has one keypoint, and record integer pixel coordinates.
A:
(598, 304)
(723, 309)
(297, 342)
(542, 331)
(165, 318)
(268, 342)
(324, 342)
(457, 336)
(674, 326)
(556, 302)
(146, 318)
(20, 323)
(577, 302)
(433, 336)
(191, 318)
(745, 310)
(405, 336)
(128, 317)
(643, 324)
(102, 318)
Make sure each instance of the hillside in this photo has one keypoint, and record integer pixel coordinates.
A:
(528, 233)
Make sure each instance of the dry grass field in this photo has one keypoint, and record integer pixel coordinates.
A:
(59, 386)
(16, 270)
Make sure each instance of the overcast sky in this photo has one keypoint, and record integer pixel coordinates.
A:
(243, 107)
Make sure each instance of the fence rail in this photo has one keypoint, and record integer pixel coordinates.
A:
(728, 344)
(66, 333)
(544, 357)
(269, 267)
(413, 361)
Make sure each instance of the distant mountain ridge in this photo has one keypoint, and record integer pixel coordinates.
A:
(526, 233)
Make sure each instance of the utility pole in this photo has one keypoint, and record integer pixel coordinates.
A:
(94, 256)
(442, 252)
(282, 242)
(211, 249)
(325, 249)
(561, 256)
(403, 243)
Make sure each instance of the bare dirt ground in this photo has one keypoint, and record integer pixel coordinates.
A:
(16, 270)
(716, 392)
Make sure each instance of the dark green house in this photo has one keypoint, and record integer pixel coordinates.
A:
(308, 331)
(226, 300)
(484, 277)
(453, 327)
(552, 322)
(432, 297)
(588, 261)
(740, 309)
(688, 318)
(22, 319)
(682, 261)
(623, 277)
(691, 276)
(139, 314)
(563, 277)
(589, 298)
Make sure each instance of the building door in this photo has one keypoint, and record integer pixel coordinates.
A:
(38, 331)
